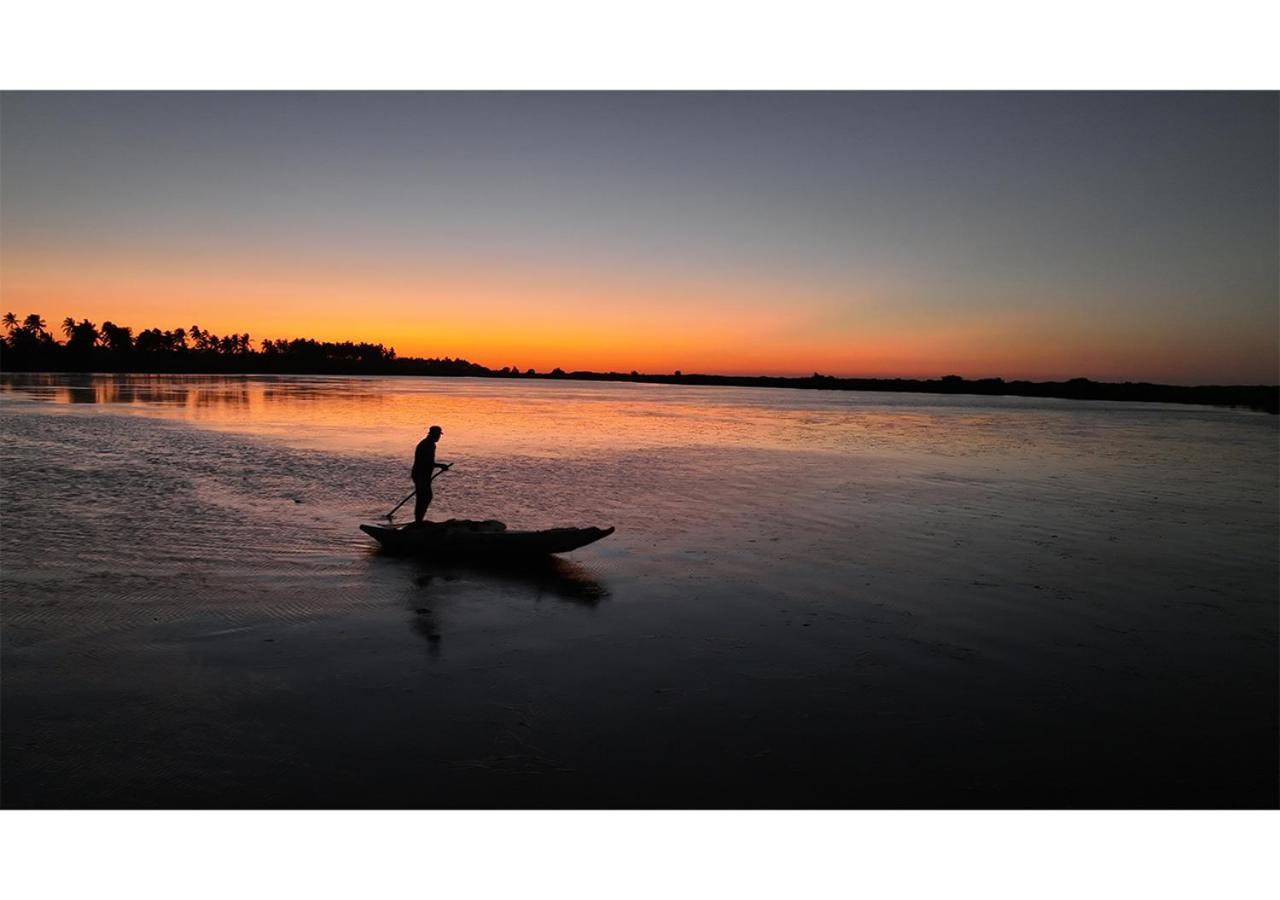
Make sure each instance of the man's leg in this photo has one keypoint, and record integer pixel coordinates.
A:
(421, 503)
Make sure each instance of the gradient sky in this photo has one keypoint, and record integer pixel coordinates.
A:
(1114, 236)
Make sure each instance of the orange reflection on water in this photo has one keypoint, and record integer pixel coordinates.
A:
(549, 419)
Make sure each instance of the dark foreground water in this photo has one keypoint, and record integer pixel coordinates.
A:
(813, 599)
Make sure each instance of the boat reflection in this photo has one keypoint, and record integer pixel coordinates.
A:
(432, 583)
(548, 576)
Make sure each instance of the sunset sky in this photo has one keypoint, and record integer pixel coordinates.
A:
(1113, 236)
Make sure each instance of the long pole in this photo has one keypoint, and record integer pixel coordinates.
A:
(411, 493)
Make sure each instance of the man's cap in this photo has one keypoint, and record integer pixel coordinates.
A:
(436, 429)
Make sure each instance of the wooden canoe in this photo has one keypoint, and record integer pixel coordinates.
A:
(488, 539)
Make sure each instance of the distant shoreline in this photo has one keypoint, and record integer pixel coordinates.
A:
(1263, 398)
(29, 346)
(1260, 398)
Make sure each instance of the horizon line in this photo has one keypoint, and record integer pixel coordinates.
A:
(99, 345)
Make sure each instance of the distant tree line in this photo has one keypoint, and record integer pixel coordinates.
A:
(29, 346)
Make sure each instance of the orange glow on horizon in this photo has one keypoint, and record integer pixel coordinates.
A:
(602, 322)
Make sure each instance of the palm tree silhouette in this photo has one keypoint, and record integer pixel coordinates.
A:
(82, 336)
(118, 337)
(10, 321)
(35, 324)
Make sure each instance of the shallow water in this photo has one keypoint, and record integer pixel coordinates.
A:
(813, 598)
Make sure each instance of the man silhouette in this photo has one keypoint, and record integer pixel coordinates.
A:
(424, 467)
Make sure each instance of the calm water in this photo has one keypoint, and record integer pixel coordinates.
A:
(812, 598)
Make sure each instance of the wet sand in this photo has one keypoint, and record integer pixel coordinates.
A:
(811, 601)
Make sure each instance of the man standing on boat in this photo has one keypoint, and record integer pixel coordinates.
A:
(424, 468)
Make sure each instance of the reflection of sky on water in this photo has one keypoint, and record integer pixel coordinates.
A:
(542, 419)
